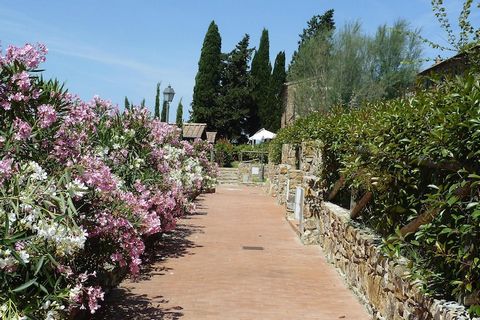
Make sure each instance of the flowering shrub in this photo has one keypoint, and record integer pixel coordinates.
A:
(82, 186)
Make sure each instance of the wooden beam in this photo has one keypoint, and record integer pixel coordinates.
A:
(424, 218)
(430, 214)
(361, 204)
(336, 187)
(452, 166)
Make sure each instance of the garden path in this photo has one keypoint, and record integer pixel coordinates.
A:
(206, 273)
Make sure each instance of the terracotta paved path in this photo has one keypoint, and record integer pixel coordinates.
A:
(212, 277)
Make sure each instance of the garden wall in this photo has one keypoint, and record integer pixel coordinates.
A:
(251, 172)
(380, 283)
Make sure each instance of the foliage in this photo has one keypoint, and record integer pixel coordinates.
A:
(179, 115)
(417, 154)
(253, 152)
(351, 67)
(323, 25)
(163, 117)
(207, 80)
(277, 81)
(224, 153)
(235, 98)
(468, 33)
(261, 73)
(468, 39)
(157, 102)
(231, 98)
(82, 186)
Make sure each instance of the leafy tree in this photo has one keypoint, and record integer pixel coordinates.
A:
(157, 102)
(353, 67)
(261, 73)
(179, 119)
(468, 39)
(164, 112)
(127, 103)
(279, 77)
(394, 54)
(319, 25)
(207, 80)
(235, 100)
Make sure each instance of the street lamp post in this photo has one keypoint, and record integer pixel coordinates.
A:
(168, 95)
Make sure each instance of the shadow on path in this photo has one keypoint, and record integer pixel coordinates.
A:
(124, 303)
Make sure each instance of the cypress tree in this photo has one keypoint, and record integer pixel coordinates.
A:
(235, 99)
(279, 77)
(207, 80)
(127, 103)
(142, 104)
(179, 119)
(157, 102)
(164, 112)
(261, 73)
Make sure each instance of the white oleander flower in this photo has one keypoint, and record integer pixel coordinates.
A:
(38, 173)
(24, 256)
(77, 188)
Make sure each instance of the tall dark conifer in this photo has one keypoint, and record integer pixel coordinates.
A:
(279, 77)
(261, 73)
(179, 117)
(235, 99)
(127, 103)
(157, 102)
(163, 117)
(207, 80)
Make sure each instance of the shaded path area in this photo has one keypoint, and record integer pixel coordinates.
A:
(236, 258)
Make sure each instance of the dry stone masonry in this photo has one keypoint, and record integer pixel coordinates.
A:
(381, 283)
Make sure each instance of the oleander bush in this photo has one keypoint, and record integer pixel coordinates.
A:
(83, 185)
(419, 156)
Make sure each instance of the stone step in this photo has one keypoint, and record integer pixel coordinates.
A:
(228, 176)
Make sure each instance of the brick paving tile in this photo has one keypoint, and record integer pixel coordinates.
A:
(203, 272)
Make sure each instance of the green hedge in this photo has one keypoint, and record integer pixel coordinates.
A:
(417, 154)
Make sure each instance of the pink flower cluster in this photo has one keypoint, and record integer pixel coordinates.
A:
(22, 130)
(6, 169)
(29, 55)
(46, 116)
(131, 176)
(97, 174)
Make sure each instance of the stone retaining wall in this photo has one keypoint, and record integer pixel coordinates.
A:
(251, 172)
(381, 283)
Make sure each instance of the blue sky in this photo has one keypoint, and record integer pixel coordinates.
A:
(118, 48)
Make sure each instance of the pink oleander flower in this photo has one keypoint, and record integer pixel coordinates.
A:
(46, 115)
(124, 236)
(6, 169)
(162, 132)
(98, 175)
(29, 55)
(6, 105)
(22, 130)
(94, 294)
(22, 80)
(17, 97)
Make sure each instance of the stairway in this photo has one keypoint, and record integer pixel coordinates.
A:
(228, 176)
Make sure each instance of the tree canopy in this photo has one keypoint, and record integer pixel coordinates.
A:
(207, 80)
